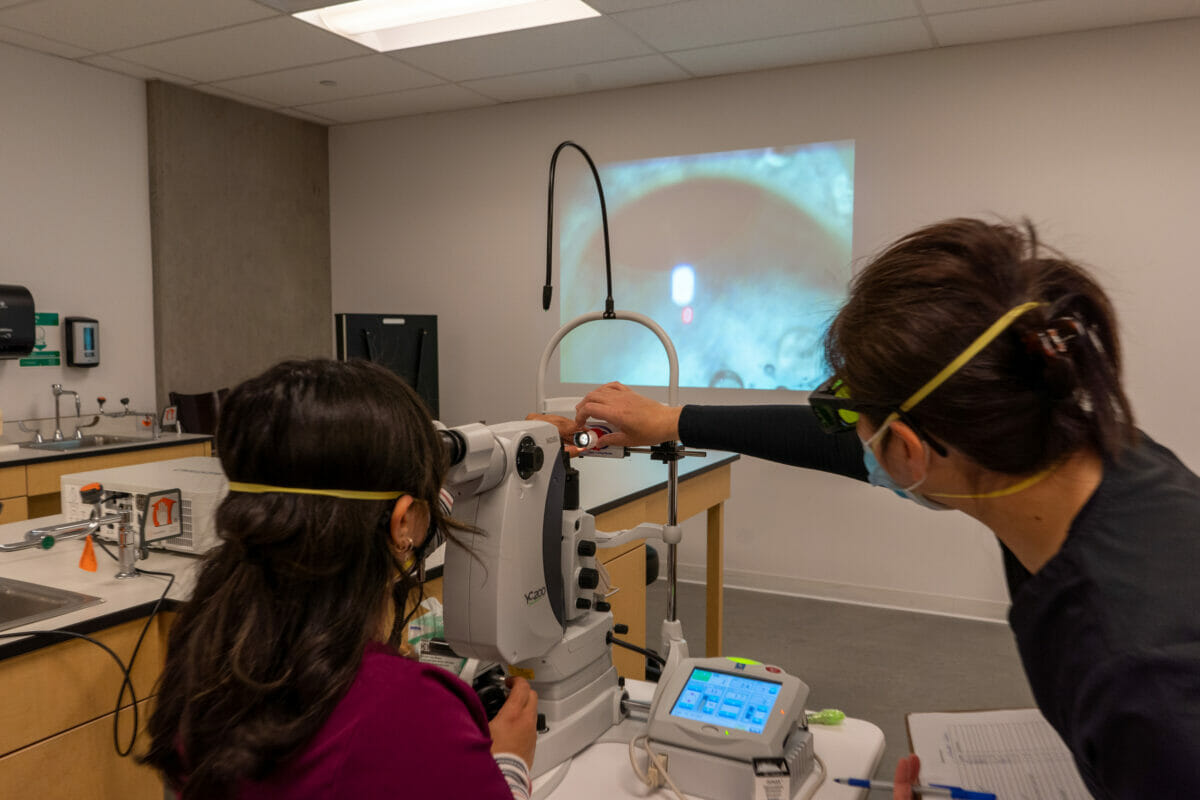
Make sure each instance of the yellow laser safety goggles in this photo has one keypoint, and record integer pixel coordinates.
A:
(835, 410)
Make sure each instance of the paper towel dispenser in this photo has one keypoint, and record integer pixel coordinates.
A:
(17, 333)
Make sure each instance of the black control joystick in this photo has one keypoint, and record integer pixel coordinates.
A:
(492, 696)
(492, 690)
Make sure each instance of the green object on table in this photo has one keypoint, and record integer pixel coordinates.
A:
(826, 716)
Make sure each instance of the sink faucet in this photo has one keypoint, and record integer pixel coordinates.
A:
(59, 392)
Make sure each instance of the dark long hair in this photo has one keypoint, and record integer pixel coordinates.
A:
(1021, 403)
(274, 632)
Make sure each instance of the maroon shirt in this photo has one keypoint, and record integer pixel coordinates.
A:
(403, 730)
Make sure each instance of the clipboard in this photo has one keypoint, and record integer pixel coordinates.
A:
(1014, 753)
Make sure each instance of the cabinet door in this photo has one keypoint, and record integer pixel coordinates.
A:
(15, 509)
(82, 763)
(627, 574)
(60, 686)
(12, 482)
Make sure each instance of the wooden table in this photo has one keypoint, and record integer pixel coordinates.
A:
(622, 493)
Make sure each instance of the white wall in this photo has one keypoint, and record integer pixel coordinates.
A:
(1094, 136)
(75, 224)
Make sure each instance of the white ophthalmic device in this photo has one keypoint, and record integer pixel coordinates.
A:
(527, 593)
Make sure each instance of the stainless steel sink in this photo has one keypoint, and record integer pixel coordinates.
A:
(22, 602)
(87, 442)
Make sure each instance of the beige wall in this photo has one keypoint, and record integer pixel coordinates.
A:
(1094, 136)
(239, 218)
(75, 224)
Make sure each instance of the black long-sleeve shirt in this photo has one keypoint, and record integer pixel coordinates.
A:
(784, 434)
(1108, 630)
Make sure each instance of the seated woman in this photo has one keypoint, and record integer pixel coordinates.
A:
(284, 674)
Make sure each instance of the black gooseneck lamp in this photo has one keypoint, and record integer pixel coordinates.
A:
(548, 289)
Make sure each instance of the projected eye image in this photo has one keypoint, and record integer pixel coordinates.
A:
(742, 257)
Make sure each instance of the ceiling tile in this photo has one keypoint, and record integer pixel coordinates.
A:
(399, 104)
(807, 48)
(264, 46)
(576, 80)
(114, 64)
(116, 24)
(292, 6)
(241, 98)
(613, 6)
(547, 47)
(40, 43)
(298, 114)
(701, 23)
(1052, 16)
(947, 6)
(353, 77)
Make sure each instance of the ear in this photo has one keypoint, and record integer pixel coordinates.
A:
(405, 527)
(911, 451)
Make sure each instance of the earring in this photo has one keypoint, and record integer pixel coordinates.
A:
(405, 545)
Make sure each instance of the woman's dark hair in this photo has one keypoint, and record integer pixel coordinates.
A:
(274, 632)
(1047, 386)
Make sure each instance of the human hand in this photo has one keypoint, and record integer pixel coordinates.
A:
(639, 420)
(908, 771)
(514, 728)
(566, 429)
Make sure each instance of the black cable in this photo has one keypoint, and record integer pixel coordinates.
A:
(650, 654)
(548, 289)
(126, 680)
(137, 647)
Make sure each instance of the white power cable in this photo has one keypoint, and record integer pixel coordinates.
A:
(656, 772)
(821, 781)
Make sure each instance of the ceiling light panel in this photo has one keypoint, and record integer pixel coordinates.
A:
(388, 25)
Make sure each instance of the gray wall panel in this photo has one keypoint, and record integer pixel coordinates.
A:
(239, 212)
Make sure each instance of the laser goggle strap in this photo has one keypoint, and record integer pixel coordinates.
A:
(972, 350)
(347, 494)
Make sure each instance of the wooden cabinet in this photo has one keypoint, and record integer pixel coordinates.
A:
(12, 495)
(31, 490)
(56, 717)
(626, 566)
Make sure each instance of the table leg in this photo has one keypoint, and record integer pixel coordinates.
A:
(714, 606)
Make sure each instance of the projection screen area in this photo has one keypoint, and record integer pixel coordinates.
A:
(742, 257)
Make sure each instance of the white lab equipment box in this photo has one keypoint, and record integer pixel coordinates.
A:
(201, 482)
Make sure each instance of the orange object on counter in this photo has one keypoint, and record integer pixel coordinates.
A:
(88, 559)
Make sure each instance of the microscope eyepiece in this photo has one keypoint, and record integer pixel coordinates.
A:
(454, 444)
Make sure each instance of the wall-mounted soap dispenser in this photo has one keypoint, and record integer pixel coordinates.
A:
(17, 331)
(83, 341)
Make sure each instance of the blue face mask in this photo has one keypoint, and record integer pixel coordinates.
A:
(878, 476)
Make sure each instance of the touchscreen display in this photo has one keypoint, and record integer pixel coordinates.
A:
(730, 701)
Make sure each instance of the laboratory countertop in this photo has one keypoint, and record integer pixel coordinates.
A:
(122, 599)
(10, 457)
(605, 481)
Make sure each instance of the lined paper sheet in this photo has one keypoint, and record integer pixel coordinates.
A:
(1013, 753)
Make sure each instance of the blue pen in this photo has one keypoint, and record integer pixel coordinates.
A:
(937, 789)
